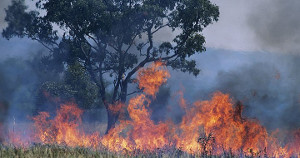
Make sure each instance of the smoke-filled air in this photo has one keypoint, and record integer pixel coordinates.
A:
(149, 78)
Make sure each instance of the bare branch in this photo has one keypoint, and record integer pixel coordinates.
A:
(115, 48)
(141, 54)
(96, 49)
(91, 37)
(85, 54)
(47, 47)
(150, 41)
(160, 28)
(167, 57)
(131, 43)
(134, 92)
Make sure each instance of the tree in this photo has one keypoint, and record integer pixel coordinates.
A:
(113, 39)
(76, 85)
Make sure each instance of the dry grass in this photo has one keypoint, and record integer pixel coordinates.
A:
(39, 151)
(54, 151)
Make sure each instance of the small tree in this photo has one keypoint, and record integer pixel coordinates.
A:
(113, 39)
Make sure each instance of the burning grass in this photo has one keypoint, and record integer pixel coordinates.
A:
(51, 151)
(209, 127)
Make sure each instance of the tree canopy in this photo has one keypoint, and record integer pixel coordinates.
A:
(113, 39)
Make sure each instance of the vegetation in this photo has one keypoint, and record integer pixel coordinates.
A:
(111, 40)
(53, 151)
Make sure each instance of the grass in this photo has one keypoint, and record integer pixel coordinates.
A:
(55, 151)
(40, 151)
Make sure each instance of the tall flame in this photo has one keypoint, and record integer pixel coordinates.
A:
(141, 132)
(214, 126)
(224, 122)
(150, 79)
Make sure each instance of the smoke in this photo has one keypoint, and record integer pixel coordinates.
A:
(276, 25)
(17, 86)
(19, 76)
(267, 84)
(3, 4)
(269, 90)
(18, 81)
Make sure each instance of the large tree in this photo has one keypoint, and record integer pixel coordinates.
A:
(113, 39)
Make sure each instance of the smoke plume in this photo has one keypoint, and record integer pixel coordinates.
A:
(267, 84)
(276, 25)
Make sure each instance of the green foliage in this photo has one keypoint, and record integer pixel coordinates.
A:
(111, 39)
(57, 89)
(186, 66)
(85, 91)
(28, 24)
(76, 86)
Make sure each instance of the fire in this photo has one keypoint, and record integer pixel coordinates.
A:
(141, 132)
(214, 126)
(150, 79)
(293, 147)
(64, 129)
(118, 107)
(219, 118)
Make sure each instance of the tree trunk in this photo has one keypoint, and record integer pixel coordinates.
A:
(112, 117)
(124, 92)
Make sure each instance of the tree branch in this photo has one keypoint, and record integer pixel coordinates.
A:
(40, 41)
(91, 44)
(150, 41)
(131, 43)
(160, 28)
(138, 91)
(146, 60)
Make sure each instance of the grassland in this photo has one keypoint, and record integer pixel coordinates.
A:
(40, 151)
(53, 151)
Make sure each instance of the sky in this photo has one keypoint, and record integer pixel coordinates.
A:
(255, 26)
(243, 26)
(252, 53)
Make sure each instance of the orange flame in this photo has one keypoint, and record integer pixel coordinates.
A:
(218, 117)
(141, 132)
(214, 126)
(64, 128)
(150, 79)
